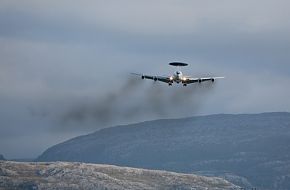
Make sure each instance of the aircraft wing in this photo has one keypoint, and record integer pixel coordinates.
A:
(155, 78)
(203, 79)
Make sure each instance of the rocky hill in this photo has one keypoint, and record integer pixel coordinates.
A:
(64, 175)
(250, 150)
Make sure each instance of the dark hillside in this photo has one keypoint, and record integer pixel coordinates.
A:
(248, 149)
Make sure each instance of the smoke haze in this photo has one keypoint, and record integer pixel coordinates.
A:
(137, 100)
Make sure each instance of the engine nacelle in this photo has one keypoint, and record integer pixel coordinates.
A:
(199, 80)
(143, 77)
(212, 80)
(155, 78)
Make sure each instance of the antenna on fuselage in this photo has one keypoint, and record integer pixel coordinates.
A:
(178, 64)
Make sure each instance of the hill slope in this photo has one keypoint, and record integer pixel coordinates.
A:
(249, 150)
(64, 175)
(2, 157)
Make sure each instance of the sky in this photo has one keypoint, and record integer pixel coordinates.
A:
(65, 65)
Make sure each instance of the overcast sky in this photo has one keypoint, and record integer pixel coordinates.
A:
(64, 65)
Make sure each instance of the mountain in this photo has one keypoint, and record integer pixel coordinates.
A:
(250, 150)
(2, 157)
(64, 175)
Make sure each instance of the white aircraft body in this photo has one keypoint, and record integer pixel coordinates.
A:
(178, 77)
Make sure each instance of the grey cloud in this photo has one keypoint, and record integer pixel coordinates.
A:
(132, 16)
(69, 61)
(206, 42)
(251, 36)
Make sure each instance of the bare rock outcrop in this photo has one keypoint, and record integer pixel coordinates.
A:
(74, 175)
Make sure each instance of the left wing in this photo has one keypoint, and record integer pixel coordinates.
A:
(194, 80)
(155, 78)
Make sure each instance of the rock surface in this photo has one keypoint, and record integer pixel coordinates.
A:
(64, 175)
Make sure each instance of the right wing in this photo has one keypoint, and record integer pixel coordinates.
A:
(194, 80)
(155, 78)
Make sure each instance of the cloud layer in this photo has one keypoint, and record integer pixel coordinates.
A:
(64, 65)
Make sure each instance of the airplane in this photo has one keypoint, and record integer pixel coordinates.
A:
(178, 77)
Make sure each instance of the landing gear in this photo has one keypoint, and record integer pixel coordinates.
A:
(184, 84)
(170, 84)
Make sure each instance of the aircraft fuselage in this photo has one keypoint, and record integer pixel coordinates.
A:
(177, 77)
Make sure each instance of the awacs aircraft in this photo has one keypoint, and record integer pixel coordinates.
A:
(178, 77)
